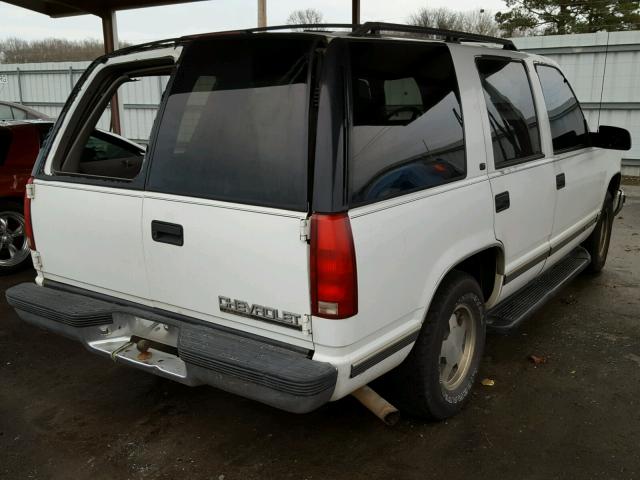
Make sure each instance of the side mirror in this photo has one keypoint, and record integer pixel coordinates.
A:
(611, 138)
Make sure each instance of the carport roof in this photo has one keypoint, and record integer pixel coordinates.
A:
(67, 8)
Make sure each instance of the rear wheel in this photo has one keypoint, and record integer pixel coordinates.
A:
(598, 242)
(14, 248)
(436, 379)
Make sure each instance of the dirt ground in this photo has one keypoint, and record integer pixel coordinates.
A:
(66, 414)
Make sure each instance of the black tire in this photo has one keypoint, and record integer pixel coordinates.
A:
(416, 385)
(598, 242)
(11, 214)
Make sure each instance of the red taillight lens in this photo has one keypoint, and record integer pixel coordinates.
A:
(334, 284)
(27, 217)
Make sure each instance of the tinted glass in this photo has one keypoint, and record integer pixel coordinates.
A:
(235, 125)
(568, 126)
(512, 114)
(407, 130)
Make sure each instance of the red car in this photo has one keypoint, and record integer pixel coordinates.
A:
(19, 147)
(20, 142)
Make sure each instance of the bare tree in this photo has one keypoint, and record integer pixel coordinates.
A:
(16, 50)
(475, 21)
(307, 16)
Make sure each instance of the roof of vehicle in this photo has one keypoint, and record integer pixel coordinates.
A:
(379, 30)
(29, 110)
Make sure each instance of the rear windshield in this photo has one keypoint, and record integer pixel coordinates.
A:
(235, 124)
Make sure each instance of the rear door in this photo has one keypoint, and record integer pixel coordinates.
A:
(227, 190)
(522, 180)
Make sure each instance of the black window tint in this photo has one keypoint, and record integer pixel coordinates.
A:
(235, 124)
(512, 115)
(568, 126)
(407, 130)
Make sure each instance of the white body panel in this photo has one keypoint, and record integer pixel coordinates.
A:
(241, 252)
(91, 237)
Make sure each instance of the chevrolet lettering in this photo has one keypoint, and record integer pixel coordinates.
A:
(259, 312)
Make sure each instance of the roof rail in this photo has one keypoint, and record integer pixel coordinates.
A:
(374, 28)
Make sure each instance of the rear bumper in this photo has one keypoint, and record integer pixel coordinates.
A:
(182, 349)
(619, 202)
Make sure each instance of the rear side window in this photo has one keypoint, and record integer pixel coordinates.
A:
(407, 129)
(512, 115)
(568, 125)
(235, 124)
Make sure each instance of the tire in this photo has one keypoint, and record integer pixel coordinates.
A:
(425, 384)
(598, 242)
(14, 249)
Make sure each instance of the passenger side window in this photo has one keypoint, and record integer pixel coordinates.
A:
(568, 126)
(5, 112)
(407, 130)
(512, 115)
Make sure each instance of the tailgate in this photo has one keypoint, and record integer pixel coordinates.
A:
(242, 267)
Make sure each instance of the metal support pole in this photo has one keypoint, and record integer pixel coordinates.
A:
(70, 79)
(355, 12)
(262, 13)
(19, 80)
(110, 35)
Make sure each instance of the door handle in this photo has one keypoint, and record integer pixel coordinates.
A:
(560, 181)
(502, 202)
(170, 233)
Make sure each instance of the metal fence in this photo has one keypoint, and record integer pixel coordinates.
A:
(46, 86)
(600, 66)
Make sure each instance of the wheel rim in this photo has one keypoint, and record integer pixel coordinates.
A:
(458, 347)
(604, 233)
(14, 247)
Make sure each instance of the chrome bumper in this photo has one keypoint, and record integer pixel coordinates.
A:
(619, 201)
(179, 348)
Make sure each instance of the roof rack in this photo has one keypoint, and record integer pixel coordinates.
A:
(374, 28)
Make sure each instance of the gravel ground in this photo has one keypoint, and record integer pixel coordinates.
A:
(65, 413)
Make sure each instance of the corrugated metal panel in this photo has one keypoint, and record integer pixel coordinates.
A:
(46, 86)
(582, 59)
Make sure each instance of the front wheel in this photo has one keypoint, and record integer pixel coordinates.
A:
(436, 379)
(14, 248)
(598, 242)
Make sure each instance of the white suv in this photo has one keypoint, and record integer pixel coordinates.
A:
(316, 209)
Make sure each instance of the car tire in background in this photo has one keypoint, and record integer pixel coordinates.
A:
(14, 248)
(597, 244)
(436, 379)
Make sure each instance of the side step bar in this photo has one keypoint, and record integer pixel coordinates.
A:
(510, 313)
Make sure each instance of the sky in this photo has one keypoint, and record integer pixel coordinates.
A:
(148, 24)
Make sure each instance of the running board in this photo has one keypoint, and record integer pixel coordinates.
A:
(510, 313)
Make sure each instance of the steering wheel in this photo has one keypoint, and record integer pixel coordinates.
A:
(415, 111)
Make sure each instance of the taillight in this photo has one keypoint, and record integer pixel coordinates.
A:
(27, 216)
(334, 285)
